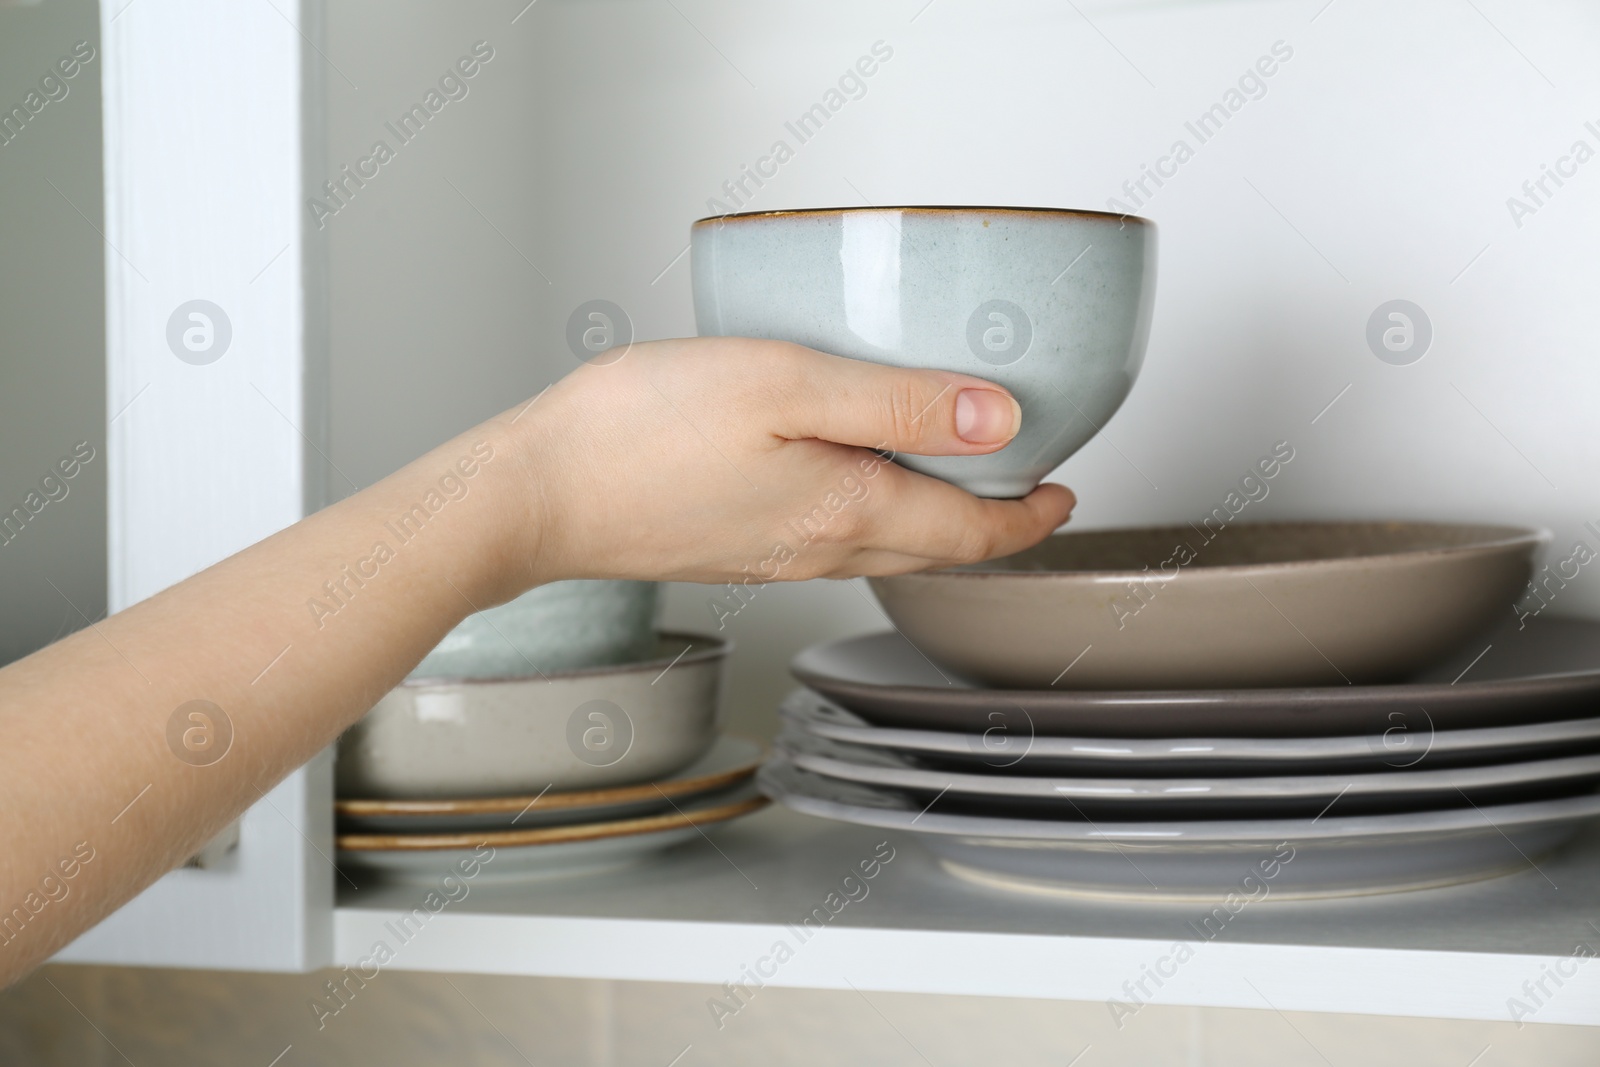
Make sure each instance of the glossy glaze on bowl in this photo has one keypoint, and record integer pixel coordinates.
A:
(1270, 604)
(1053, 305)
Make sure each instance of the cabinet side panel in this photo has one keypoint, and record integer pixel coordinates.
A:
(210, 424)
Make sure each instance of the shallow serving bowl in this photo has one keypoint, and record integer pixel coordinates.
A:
(1269, 604)
(577, 729)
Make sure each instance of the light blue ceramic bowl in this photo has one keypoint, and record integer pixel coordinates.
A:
(562, 626)
(1052, 304)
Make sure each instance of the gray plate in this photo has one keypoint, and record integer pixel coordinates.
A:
(1208, 797)
(1546, 672)
(1170, 859)
(999, 752)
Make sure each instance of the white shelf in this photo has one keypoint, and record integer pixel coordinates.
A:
(697, 915)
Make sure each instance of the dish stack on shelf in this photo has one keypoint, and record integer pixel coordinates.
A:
(1270, 716)
(559, 734)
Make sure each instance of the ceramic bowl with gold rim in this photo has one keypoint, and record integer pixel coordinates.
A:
(1053, 304)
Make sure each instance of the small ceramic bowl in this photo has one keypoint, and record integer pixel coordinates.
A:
(580, 729)
(561, 626)
(1052, 304)
(1270, 604)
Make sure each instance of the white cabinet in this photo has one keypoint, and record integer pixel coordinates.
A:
(1376, 163)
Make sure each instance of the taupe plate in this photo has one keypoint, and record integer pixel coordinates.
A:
(1226, 605)
(730, 761)
(1170, 859)
(542, 852)
(1155, 757)
(1210, 796)
(1544, 673)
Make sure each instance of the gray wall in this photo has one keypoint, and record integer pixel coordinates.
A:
(52, 330)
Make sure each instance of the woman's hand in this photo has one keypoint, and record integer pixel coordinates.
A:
(721, 459)
(708, 460)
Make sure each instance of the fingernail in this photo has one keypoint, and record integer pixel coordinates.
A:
(985, 417)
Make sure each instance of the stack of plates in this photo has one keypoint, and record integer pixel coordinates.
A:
(1472, 769)
(549, 833)
(550, 773)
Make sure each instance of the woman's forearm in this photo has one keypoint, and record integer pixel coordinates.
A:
(284, 644)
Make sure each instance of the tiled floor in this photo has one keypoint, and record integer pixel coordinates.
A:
(98, 1017)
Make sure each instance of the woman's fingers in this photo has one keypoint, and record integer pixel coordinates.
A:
(912, 515)
(920, 412)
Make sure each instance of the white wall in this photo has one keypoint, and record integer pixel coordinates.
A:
(1376, 166)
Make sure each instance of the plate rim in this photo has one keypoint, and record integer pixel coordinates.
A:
(1000, 828)
(554, 835)
(911, 739)
(1257, 697)
(966, 783)
(1515, 536)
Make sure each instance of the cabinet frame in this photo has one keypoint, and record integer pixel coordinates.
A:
(213, 120)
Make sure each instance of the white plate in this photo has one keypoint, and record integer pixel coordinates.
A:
(545, 852)
(1172, 859)
(1211, 797)
(730, 761)
(1409, 741)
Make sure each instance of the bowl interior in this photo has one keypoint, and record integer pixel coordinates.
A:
(1252, 544)
(559, 626)
(663, 649)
